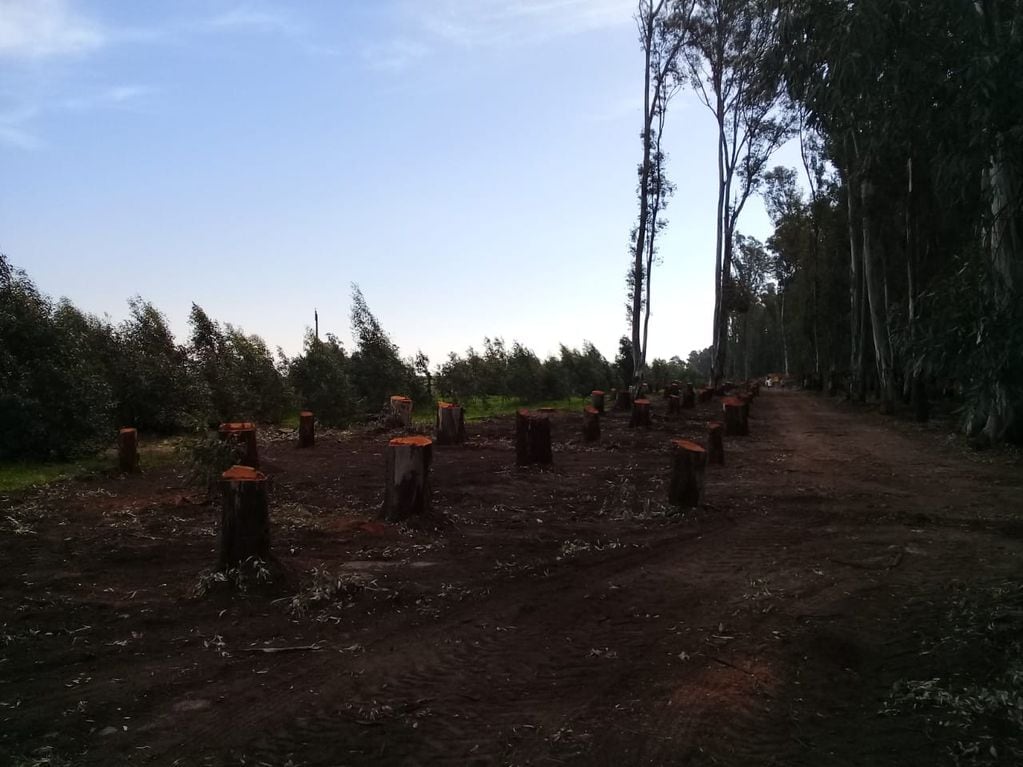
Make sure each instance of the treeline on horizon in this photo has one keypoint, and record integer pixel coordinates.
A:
(68, 379)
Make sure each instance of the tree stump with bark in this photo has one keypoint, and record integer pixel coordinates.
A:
(688, 464)
(623, 400)
(407, 492)
(128, 450)
(705, 394)
(547, 411)
(401, 411)
(640, 413)
(674, 404)
(450, 425)
(591, 423)
(735, 411)
(715, 443)
(306, 429)
(597, 400)
(688, 397)
(243, 435)
(532, 439)
(244, 518)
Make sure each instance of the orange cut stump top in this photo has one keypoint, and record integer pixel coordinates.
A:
(306, 414)
(591, 410)
(641, 402)
(416, 440)
(685, 444)
(713, 425)
(127, 430)
(237, 426)
(597, 392)
(243, 474)
(447, 405)
(732, 402)
(400, 398)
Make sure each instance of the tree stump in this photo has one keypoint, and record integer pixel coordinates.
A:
(591, 423)
(128, 450)
(450, 424)
(674, 404)
(705, 394)
(243, 435)
(532, 439)
(642, 390)
(407, 492)
(245, 517)
(688, 397)
(623, 400)
(675, 389)
(715, 443)
(306, 429)
(597, 400)
(401, 411)
(547, 411)
(688, 462)
(735, 411)
(640, 413)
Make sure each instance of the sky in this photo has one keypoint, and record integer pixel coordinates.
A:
(469, 163)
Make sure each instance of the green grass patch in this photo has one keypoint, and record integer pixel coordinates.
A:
(479, 408)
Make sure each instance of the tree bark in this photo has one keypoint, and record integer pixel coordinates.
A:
(715, 443)
(624, 400)
(450, 426)
(688, 465)
(597, 400)
(855, 287)
(591, 423)
(306, 429)
(245, 517)
(736, 412)
(401, 411)
(407, 489)
(674, 404)
(873, 270)
(127, 450)
(532, 439)
(688, 397)
(640, 413)
(243, 435)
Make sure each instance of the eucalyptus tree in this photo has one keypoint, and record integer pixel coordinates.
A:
(733, 61)
(664, 27)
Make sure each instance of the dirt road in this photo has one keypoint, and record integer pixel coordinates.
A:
(840, 564)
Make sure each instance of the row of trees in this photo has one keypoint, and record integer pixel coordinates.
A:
(896, 262)
(67, 379)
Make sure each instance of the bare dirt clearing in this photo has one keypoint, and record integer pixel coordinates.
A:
(565, 616)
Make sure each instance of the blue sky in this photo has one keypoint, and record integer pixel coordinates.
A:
(470, 163)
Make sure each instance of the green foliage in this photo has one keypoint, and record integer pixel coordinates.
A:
(207, 457)
(320, 378)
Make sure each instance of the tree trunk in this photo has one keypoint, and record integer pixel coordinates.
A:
(591, 423)
(855, 288)
(624, 400)
(688, 397)
(532, 439)
(715, 443)
(640, 413)
(674, 404)
(597, 400)
(736, 412)
(401, 411)
(873, 270)
(127, 450)
(450, 425)
(688, 464)
(407, 492)
(245, 517)
(306, 429)
(243, 435)
(784, 341)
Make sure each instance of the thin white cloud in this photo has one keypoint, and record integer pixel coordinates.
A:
(254, 19)
(395, 55)
(13, 131)
(112, 96)
(37, 29)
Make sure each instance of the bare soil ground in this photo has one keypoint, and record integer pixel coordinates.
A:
(850, 594)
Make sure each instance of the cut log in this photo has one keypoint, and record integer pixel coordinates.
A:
(688, 397)
(591, 423)
(245, 517)
(407, 492)
(623, 400)
(735, 411)
(715, 443)
(243, 435)
(597, 400)
(306, 429)
(450, 426)
(688, 462)
(532, 439)
(640, 413)
(128, 450)
(401, 411)
(674, 404)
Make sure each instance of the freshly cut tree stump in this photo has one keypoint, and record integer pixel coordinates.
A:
(450, 424)
(532, 439)
(597, 400)
(547, 411)
(407, 492)
(128, 450)
(675, 388)
(306, 429)
(591, 423)
(735, 411)
(674, 404)
(688, 462)
(623, 400)
(401, 411)
(688, 397)
(706, 394)
(243, 435)
(245, 517)
(640, 413)
(715, 443)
